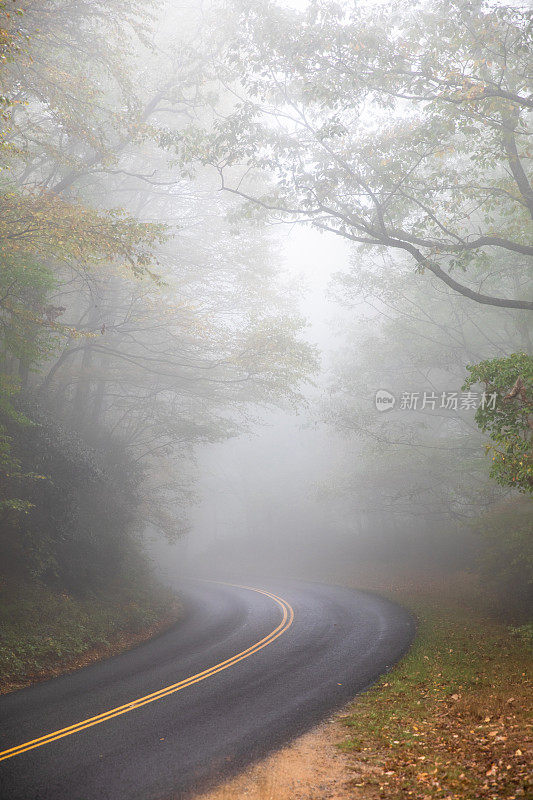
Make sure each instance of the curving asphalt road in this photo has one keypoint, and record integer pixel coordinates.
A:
(243, 672)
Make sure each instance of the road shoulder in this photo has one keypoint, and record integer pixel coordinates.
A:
(312, 767)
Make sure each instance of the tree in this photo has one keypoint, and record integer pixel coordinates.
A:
(132, 309)
(361, 126)
(507, 417)
(11, 41)
(419, 459)
(43, 236)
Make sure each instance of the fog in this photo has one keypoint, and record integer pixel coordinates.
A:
(260, 506)
(232, 231)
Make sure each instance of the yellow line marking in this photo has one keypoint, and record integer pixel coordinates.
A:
(286, 622)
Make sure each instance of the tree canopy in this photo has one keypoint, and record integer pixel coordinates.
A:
(403, 126)
(136, 322)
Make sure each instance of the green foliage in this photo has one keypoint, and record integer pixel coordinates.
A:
(24, 288)
(37, 228)
(41, 629)
(508, 419)
(10, 467)
(80, 518)
(9, 389)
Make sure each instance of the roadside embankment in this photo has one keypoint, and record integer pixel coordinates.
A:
(44, 633)
(453, 719)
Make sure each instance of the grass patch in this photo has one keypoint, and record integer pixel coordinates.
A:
(452, 720)
(44, 633)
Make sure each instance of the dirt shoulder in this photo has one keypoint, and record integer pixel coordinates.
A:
(311, 768)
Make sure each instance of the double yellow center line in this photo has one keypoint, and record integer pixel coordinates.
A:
(286, 622)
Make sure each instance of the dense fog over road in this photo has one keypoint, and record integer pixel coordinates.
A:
(266, 397)
(265, 302)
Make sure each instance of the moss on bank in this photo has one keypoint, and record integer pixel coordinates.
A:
(44, 633)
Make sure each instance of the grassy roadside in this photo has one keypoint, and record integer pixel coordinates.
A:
(453, 720)
(44, 633)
